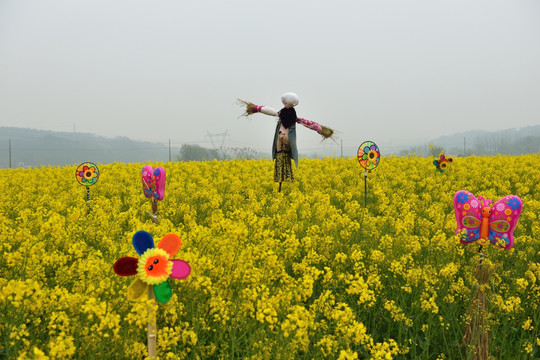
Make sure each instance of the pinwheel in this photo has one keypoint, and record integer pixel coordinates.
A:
(478, 220)
(443, 163)
(153, 181)
(87, 174)
(368, 157)
(153, 267)
(152, 270)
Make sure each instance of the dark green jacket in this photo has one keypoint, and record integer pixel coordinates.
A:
(292, 142)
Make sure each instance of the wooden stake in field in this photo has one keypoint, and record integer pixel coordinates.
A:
(153, 269)
(479, 220)
(153, 181)
(476, 337)
(87, 174)
(368, 157)
(152, 327)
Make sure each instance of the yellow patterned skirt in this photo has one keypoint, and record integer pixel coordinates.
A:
(283, 167)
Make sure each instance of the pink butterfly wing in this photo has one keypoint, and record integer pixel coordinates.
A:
(153, 181)
(146, 175)
(505, 214)
(468, 211)
(159, 176)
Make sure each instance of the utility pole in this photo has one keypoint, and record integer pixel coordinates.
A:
(464, 147)
(341, 147)
(169, 150)
(10, 153)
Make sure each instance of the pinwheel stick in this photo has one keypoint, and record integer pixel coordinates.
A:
(477, 336)
(154, 211)
(88, 198)
(152, 328)
(365, 187)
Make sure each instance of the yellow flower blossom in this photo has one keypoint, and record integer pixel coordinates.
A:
(527, 324)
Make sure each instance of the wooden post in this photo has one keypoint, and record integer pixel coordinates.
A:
(152, 328)
(477, 336)
(154, 211)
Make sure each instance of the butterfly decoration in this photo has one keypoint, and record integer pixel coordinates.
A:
(153, 181)
(443, 163)
(480, 220)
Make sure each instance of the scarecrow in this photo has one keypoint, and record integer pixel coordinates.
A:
(284, 145)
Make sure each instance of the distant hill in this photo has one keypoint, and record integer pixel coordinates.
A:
(505, 142)
(31, 147)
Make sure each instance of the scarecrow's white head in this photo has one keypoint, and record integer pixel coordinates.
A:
(289, 99)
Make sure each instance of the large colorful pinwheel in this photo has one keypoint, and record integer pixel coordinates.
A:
(369, 155)
(87, 173)
(153, 267)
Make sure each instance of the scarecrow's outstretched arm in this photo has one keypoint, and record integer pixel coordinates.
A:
(251, 108)
(310, 124)
(326, 132)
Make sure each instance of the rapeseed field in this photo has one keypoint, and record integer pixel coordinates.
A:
(308, 273)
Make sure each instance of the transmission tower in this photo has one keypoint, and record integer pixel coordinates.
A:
(217, 138)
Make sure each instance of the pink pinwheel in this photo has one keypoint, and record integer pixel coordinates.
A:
(153, 267)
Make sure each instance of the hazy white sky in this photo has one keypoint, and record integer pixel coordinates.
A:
(391, 71)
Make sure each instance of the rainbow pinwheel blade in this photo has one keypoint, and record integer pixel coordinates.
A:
(369, 155)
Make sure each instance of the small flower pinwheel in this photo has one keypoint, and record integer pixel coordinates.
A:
(153, 267)
(443, 163)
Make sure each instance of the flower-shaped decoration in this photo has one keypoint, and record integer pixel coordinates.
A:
(153, 181)
(87, 174)
(369, 155)
(443, 163)
(153, 267)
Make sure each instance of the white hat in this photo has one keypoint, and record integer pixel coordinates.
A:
(289, 99)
